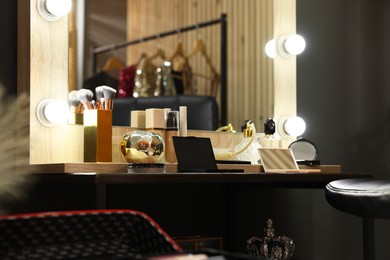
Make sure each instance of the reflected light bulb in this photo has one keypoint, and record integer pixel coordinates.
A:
(58, 7)
(294, 126)
(270, 49)
(295, 44)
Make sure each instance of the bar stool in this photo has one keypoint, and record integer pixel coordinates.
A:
(365, 198)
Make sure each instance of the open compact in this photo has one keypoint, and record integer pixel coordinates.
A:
(305, 152)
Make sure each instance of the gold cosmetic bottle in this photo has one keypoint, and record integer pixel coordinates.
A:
(171, 129)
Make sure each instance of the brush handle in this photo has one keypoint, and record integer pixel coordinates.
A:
(87, 105)
(108, 104)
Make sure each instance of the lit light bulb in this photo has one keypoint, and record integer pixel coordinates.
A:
(294, 126)
(51, 112)
(58, 7)
(270, 49)
(295, 44)
(52, 10)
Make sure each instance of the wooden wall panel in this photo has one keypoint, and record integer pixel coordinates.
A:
(250, 26)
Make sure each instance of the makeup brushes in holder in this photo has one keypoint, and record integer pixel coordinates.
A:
(80, 100)
(96, 118)
(104, 97)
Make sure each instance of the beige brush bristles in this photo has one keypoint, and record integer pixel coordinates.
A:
(75, 105)
(99, 97)
(109, 95)
(14, 148)
(85, 96)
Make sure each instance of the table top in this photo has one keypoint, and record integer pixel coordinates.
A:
(298, 180)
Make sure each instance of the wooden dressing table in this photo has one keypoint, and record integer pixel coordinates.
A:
(105, 174)
(184, 204)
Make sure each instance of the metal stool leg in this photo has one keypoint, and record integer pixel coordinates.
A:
(368, 239)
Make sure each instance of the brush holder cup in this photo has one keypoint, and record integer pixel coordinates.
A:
(143, 147)
(97, 135)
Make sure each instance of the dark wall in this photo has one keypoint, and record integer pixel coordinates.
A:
(343, 84)
(8, 18)
(344, 96)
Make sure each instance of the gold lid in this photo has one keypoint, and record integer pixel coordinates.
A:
(248, 131)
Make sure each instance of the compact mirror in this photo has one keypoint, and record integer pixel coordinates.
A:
(305, 152)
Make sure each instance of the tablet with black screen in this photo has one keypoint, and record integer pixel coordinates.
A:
(195, 154)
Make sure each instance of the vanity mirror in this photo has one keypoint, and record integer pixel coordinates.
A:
(251, 86)
(43, 49)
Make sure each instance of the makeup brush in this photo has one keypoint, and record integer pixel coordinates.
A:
(74, 102)
(109, 94)
(99, 97)
(85, 96)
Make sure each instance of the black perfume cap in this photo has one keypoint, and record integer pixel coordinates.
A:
(269, 126)
(172, 120)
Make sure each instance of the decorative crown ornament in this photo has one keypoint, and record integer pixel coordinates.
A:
(271, 246)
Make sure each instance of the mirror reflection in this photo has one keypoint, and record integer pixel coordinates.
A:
(99, 23)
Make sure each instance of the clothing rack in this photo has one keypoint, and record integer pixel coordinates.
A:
(222, 21)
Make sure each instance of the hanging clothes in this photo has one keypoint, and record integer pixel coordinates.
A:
(165, 85)
(99, 79)
(105, 77)
(183, 77)
(145, 79)
(126, 81)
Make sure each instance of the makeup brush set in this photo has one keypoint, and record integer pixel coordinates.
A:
(96, 116)
(83, 99)
(80, 100)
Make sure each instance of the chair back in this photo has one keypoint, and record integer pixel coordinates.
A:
(88, 234)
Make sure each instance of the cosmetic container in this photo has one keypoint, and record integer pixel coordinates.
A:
(269, 140)
(137, 119)
(97, 135)
(75, 119)
(142, 147)
(171, 129)
(247, 149)
(155, 118)
(183, 121)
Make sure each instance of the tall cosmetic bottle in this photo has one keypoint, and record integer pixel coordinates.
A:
(171, 129)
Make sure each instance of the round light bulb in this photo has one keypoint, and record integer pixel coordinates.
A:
(294, 126)
(51, 112)
(58, 7)
(295, 44)
(270, 49)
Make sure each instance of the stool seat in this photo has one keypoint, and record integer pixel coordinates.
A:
(360, 197)
(365, 198)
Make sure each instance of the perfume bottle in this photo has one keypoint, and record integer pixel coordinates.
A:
(247, 149)
(171, 129)
(269, 139)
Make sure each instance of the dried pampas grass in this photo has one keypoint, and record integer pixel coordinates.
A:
(14, 147)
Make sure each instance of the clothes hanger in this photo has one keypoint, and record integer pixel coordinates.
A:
(179, 52)
(200, 47)
(160, 53)
(113, 63)
(142, 56)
